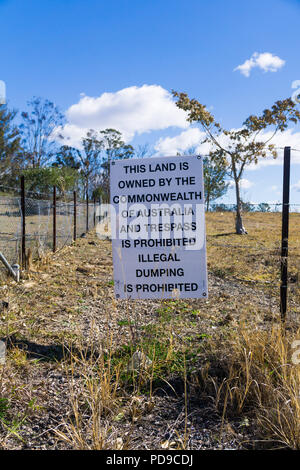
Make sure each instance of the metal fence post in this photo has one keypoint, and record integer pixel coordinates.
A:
(87, 211)
(54, 219)
(285, 232)
(94, 212)
(75, 216)
(23, 215)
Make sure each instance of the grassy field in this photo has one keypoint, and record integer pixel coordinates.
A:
(255, 256)
(85, 371)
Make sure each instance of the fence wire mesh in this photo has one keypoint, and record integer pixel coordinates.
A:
(254, 258)
(64, 224)
(39, 214)
(253, 207)
(10, 228)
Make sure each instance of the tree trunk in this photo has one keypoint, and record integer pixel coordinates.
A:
(239, 227)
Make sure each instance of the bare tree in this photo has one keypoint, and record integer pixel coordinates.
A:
(113, 148)
(38, 131)
(90, 159)
(143, 151)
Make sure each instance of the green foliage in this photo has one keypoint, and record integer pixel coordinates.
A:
(10, 158)
(42, 180)
(264, 207)
(215, 174)
(37, 128)
(33, 149)
(98, 149)
(124, 323)
(242, 146)
(114, 148)
(215, 184)
(4, 406)
(67, 157)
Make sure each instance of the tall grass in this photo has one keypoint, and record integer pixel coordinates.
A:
(258, 379)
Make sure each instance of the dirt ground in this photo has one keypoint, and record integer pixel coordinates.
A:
(63, 314)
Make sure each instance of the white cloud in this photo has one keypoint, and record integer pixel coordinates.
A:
(133, 110)
(264, 61)
(180, 143)
(288, 138)
(193, 137)
(244, 184)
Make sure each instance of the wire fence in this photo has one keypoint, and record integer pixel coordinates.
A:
(49, 225)
(253, 259)
(256, 259)
(10, 228)
(252, 207)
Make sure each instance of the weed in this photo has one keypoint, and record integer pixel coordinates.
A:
(4, 406)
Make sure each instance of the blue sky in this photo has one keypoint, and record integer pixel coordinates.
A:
(138, 51)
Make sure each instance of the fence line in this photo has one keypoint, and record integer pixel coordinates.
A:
(252, 207)
(71, 222)
(31, 226)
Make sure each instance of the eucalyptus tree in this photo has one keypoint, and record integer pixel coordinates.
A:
(113, 148)
(39, 131)
(214, 175)
(238, 148)
(215, 184)
(90, 159)
(10, 156)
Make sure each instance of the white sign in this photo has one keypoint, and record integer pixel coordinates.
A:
(158, 228)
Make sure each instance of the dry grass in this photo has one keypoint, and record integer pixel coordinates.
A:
(39, 229)
(257, 255)
(70, 344)
(257, 379)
